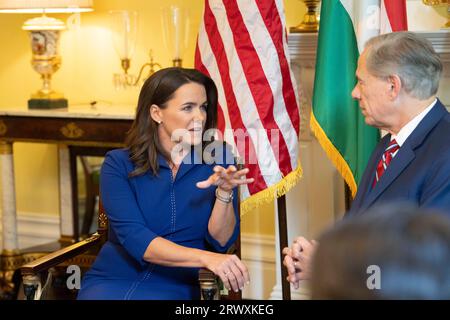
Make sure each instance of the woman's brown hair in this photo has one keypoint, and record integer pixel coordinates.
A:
(142, 139)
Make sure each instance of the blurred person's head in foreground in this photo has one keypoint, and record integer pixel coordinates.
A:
(394, 252)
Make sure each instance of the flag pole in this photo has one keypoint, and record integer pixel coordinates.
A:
(282, 231)
(348, 197)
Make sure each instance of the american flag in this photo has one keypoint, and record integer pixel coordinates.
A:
(242, 46)
(393, 16)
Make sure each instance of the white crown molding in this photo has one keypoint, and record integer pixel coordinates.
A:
(441, 42)
(302, 46)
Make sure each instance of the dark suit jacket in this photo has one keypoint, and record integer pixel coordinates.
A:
(420, 171)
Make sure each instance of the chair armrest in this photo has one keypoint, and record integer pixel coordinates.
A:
(212, 288)
(209, 286)
(55, 258)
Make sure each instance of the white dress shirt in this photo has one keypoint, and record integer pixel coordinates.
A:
(408, 128)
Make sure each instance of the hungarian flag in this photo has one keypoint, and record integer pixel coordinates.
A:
(242, 46)
(345, 25)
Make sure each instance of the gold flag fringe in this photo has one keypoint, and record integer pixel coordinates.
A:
(272, 192)
(334, 155)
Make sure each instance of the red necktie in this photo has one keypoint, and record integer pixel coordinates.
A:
(385, 160)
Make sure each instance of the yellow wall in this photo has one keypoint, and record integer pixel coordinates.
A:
(88, 62)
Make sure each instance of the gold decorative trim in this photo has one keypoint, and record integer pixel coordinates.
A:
(72, 131)
(5, 148)
(434, 2)
(102, 220)
(273, 192)
(82, 260)
(333, 154)
(31, 256)
(11, 263)
(71, 142)
(3, 128)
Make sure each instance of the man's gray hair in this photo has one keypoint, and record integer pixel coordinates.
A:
(408, 55)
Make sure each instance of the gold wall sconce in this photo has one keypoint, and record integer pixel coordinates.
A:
(311, 19)
(44, 34)
(124, 27)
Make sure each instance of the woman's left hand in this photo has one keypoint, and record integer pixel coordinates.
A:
(226, 179)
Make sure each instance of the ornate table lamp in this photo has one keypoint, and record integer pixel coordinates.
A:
(44, 35)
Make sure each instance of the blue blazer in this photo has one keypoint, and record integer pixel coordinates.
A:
(418, 174)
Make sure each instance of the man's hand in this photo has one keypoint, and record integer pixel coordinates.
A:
(298, 260)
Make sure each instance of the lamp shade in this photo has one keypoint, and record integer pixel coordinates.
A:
(45, 6)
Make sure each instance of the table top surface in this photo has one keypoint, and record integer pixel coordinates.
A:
(125, 112)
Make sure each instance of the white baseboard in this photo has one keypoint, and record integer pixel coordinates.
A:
(258, 251)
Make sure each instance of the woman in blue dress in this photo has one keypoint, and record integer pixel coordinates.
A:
(169, 197)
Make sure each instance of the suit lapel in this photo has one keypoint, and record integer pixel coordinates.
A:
(403, 158)
(365, 185)
(405, 155)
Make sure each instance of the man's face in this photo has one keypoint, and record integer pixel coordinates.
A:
(374, 96)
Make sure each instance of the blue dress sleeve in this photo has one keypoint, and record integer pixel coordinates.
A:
(119, 202)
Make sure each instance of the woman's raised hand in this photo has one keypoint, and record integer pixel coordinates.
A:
(226, 179)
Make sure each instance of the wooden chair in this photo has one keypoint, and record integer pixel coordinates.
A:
(82, 254)
(211, 286)
(45, 277)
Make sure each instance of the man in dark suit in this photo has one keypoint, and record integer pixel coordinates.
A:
(398, 76)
